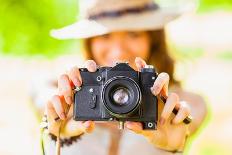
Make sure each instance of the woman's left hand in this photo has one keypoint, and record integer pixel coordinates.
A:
(171, 131)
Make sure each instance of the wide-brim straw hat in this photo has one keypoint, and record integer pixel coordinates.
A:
(100, 17)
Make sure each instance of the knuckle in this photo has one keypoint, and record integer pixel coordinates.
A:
(63, 77)
(160, 79)
(74, 70)
(175, 120)
(164, 114)
(64, 86)
(166, 111)
(164, 75)
(67, 91)
(55, 97)
(48, 106)
(185, 107)
(174, 96)
(186, 110)
(158, 86)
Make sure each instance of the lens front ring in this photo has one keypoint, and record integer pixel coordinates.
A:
(134, 101)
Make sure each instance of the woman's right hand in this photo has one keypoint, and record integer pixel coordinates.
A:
(57, 106)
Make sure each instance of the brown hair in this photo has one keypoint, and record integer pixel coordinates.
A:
(159, 56)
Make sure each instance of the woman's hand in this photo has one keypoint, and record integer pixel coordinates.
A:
(171, 132)
(57, 107)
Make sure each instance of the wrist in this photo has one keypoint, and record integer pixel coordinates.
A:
(66, 141)
(167, 145)
(173, 152)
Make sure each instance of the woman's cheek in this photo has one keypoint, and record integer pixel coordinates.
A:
(140, 49)
(99, 52)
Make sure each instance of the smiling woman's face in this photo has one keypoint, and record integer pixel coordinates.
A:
(120, 47)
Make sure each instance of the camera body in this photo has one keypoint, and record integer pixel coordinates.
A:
(117, 93)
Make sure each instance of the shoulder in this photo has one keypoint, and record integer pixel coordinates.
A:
(193, 98)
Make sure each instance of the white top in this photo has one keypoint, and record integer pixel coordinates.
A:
(97, 143)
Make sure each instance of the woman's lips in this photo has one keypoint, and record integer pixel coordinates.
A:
(112, 62)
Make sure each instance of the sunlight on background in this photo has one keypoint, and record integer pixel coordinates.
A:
(201, 42)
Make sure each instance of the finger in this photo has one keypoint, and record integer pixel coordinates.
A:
(73, 128)
(69, 114)
(53, 125)
(65, 88)
(183, 112)
(140, 63)
(172, 100)
(89, 126)
(91, 65)
(134, 126)
(161, 85)
(50, 111)
(57, 104)
(75, 77)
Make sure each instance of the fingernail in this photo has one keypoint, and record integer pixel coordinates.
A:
(76, 82)
(94, 67)
(162, 121)
(69, 100)
(63, 116)
(152, 89)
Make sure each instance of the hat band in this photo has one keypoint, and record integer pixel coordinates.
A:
(119, 13)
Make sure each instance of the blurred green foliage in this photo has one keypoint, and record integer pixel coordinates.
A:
(25, 25)
(226, 55)
(212, 5)
(185, 52)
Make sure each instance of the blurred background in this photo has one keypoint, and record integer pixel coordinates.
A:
(201, 42)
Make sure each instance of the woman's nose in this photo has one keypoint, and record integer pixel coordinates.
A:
(118, 50)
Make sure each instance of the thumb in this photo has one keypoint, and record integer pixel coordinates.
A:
(134, 126)
(75, 128)
(91, 65)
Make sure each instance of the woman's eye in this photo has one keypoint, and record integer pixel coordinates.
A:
(105, 36)
(133, 34)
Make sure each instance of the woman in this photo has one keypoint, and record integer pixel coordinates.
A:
(133, 31)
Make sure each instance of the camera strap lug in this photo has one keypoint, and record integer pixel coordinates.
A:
(121, 125)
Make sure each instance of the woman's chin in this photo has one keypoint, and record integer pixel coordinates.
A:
(112, 62)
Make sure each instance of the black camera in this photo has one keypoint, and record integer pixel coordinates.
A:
(117, 93)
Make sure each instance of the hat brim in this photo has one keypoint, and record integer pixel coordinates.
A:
(151, 20)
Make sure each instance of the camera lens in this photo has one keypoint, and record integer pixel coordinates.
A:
(121, 96)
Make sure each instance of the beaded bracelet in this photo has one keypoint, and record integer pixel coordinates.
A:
(66, 141)
(63, 142)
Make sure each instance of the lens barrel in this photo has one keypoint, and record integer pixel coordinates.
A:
(121, 96)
